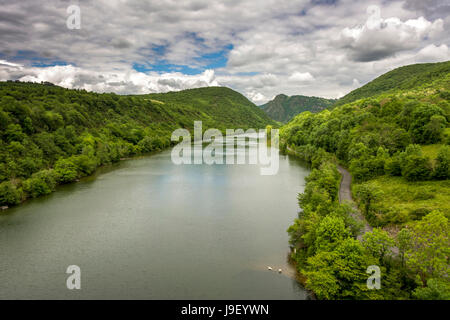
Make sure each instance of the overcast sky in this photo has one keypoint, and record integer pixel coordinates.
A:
(260, 48)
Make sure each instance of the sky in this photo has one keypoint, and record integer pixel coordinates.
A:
(260, 48)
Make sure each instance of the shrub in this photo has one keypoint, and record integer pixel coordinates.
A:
(66, 171)
(392, 166)
(84, 164)
(442, 169)
(9, 194)
(416, 168)
(41, 183)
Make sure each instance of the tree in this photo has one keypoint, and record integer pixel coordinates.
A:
(436, 289)
(430, 249)
(433, 130)
(9, 194)
(378, 243)
(14, 133)
(428, 122)
(330, 233)
(41, 183)
(341, 273)
(393, 167)
(442, 169)
(403, 243)
(416, 168)
(368, 194)
(66, 170)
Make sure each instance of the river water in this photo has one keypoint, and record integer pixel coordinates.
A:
(149, 229)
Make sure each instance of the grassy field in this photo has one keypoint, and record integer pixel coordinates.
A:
(402, 201)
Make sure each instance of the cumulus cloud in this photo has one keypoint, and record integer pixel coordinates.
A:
(301, 77)
(131, 82)
(256, 97)
(260, 48)
(433, 53)
(379, 38)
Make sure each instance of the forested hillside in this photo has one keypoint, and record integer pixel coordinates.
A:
(425, 75)
(283, 108)
(396, 146)
(50, 135)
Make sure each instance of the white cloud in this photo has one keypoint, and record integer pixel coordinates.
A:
(277, 46)
(379, 38)
(301, 77)
(10, 64)
(131, 82)
(256, 97)
(433, 53)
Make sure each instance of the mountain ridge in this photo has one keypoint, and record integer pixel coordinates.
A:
(402, 78)
(283, 107)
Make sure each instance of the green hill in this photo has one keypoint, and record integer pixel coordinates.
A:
(416, 76)
(375, 136)
(218, 107)
(283, 108)
(394, 137)
(51, 135)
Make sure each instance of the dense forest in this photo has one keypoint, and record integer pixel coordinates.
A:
(393, 134)
(50, 135)
(283, 108)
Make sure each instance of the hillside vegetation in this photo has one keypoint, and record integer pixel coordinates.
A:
(50, 135)
(425, 75)
(283, 108)
(396, 144)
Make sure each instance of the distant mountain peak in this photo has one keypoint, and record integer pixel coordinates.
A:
(283, 107)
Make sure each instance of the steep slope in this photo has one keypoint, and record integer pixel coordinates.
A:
(50, 135)
(421, 76)
(283, 108)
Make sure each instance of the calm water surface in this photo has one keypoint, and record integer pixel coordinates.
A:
(148, 229)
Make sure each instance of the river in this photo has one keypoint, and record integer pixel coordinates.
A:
(149, 229)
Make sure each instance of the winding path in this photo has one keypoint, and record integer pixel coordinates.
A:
(345, 195)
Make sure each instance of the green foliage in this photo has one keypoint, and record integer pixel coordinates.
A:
(378, 243)
(9, 194)
(66, 170)
(339, 274)
(330, 232)
(430, 247)
(366, 194)
(404, 201)
(404, 243)
(404, 78)
(442, 168)
(416, 168)
(41, 183)
(428, 124)
(436, 289)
